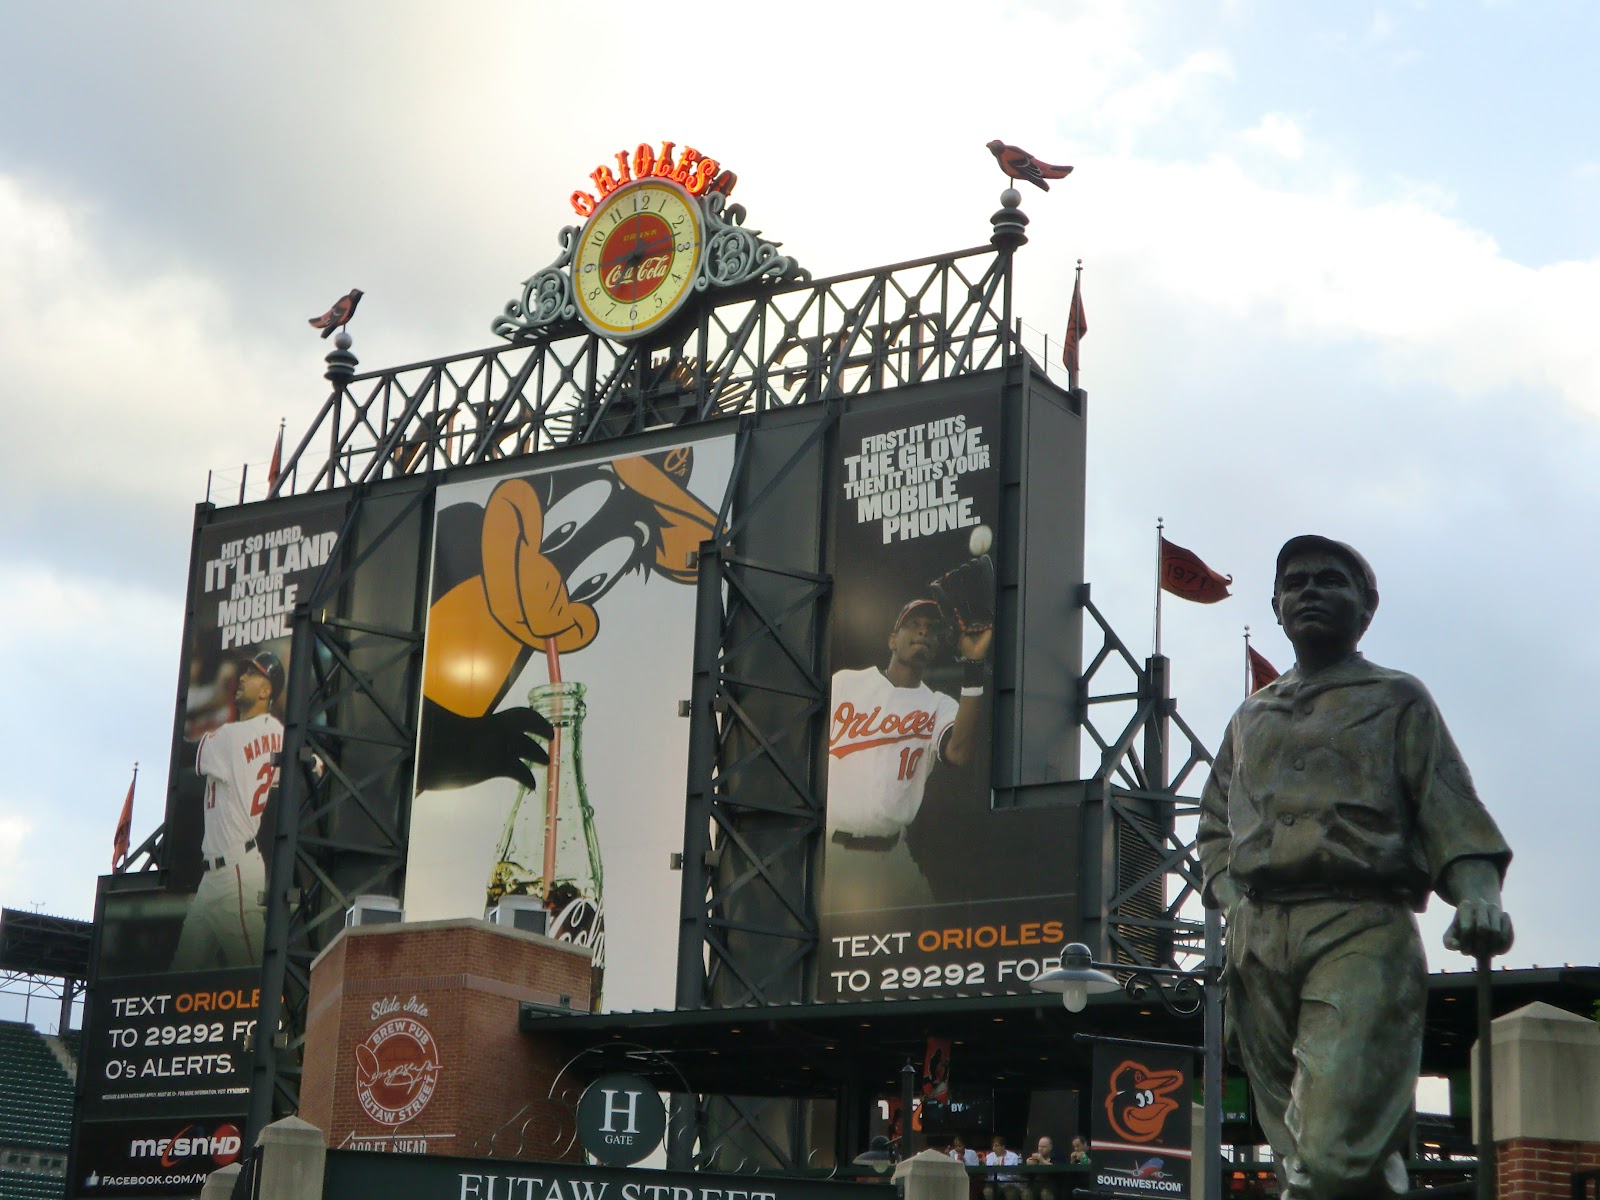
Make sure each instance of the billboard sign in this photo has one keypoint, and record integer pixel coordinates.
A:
(567, 594)
(171, 1012)
(1140, 1121)
(911, 722)
(349, 1175)
(248, 575)
(160, 1157)
(164, 1080)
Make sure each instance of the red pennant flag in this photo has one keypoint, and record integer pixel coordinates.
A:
(1077, 326)
(1261, 671)
(124, 834)
(275, 467)
(1183, 574)
(936, 1070)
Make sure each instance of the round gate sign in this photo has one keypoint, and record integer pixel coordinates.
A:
(621, 1119)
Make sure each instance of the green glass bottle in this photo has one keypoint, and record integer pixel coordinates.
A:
(557, 861)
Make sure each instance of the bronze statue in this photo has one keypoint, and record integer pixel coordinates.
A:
(1337, 803)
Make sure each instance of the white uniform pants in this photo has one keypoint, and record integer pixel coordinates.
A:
(859, 880)
(226, 920)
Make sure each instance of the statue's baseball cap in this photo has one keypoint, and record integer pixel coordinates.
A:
(920, 603)
(270, 665)
(1364, 574)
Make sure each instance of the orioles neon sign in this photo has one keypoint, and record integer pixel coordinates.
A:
(697, 173)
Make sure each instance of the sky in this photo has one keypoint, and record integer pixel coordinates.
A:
(1341, 271)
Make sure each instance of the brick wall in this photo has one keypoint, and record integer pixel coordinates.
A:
(412, 1041)
(1541, 1169)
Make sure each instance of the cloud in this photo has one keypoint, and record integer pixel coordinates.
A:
(14, 831)
(1279, 134)
(134, 381)
(1433, 296)
(96, 662)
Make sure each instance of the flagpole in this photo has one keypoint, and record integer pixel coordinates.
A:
(1159, 528)
(1247, 679)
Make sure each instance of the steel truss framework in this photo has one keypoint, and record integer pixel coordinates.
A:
(748, 922)
(343, 808)
(1150, 880)
(934, 318)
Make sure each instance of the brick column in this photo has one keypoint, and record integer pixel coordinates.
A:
(1546, 1101)
(412, 1041)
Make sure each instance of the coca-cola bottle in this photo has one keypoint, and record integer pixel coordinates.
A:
(548, 848)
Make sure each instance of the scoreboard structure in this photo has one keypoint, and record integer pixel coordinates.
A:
(691, 503)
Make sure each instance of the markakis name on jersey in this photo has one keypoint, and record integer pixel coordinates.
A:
(697, 173)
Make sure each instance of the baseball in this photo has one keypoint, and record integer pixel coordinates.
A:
(980, 541)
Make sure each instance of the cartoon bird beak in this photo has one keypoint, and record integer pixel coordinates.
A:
(526, 592)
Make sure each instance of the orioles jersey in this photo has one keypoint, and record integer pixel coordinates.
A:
(236, 761)
(882, 741)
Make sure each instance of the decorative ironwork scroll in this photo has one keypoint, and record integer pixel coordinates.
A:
(735, 254)
(546, 295)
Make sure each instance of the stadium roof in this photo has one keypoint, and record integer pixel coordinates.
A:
(1024, 1041)
(38, 944)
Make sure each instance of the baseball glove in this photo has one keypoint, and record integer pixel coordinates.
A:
(966, 595)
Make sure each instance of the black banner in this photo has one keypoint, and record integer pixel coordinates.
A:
(171, 1010)
(171, 1037)
(356, 1175)
(248, 574)
(166, 1156)
(906, 908)
(164, 1075)
(1140, 1121)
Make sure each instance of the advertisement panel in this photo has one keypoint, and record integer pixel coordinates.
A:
(1140, 1122)
(171, 1011)
(164, 1080)
(906, 908)
(249, 573)
(565, 595)
(351, 1175)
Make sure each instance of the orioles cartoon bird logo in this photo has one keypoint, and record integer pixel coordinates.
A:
(522, 574)
(1140, 1100)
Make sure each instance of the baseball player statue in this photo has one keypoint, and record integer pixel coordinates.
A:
(238, 763)
(1337, 803)
(888, 728)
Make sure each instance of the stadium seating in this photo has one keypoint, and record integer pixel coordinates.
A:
(21, 1185)
(35, 1113)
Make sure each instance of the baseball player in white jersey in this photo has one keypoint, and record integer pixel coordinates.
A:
(886, 731)
(238, 762)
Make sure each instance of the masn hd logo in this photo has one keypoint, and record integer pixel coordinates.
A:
(222, 1146)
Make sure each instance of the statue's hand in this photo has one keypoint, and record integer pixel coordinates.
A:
(1480, 927)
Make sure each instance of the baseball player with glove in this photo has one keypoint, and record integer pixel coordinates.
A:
(888, 728)
(238, 762)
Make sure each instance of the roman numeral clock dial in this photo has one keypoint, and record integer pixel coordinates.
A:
(638, 259)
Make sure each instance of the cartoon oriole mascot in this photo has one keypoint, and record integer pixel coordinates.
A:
(1140, 1100)
(522, 574)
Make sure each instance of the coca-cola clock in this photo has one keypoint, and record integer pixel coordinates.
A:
(638, 258)
(657, 228)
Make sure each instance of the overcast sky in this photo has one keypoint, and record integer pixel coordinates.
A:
(1342, 274)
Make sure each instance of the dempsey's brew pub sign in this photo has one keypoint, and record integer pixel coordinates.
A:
(658, 230)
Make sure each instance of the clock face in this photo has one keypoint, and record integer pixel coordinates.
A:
(638, 259)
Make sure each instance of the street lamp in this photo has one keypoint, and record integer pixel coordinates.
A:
(879, 1158)
(1077, 979)
(1182, 993)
